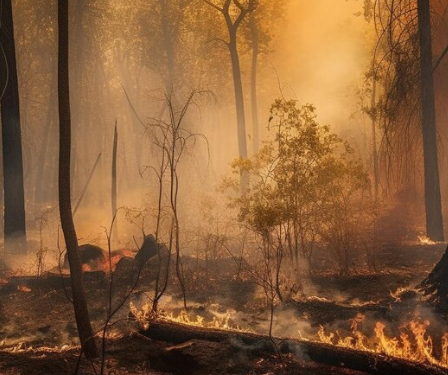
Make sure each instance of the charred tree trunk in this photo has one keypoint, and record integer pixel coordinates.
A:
(79, 299)
(14, 202)
(433, 202)
(435, 286)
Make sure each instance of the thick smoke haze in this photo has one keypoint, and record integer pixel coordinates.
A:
(318, 54)
(322, 55)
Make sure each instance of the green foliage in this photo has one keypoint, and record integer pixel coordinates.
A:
(303, 183)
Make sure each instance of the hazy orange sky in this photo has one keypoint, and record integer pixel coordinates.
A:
(325, 54)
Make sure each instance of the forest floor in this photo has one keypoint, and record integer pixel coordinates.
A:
(38, 331)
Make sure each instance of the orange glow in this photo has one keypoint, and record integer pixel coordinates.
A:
(413, 343)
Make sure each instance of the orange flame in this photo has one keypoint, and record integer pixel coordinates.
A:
(220, 321)
(107, 265)
(426, 241)
(416, 347)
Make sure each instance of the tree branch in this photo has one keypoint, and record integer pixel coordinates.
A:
(214, 6)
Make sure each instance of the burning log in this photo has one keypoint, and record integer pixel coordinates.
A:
(368, 362)
(91, 255)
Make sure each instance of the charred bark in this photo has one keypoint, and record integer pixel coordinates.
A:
(433, 202)
(371, 363)
(13, 190)
(435, 285)
(65, 210)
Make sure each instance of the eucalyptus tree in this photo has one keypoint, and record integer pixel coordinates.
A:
(262, 25)
(233, 13)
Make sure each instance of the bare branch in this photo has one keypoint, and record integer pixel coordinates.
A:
(213, 6)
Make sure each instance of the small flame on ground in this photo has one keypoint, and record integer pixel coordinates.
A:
(23, 288)
(218, 321)
(426, 240)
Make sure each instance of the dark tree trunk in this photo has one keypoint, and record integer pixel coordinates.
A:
(253, 83)
(433, 202)
(232, 24)
(376, 176)
(239, 98)
(114, 179)
(79, 299)
(435, 286)
(240, 113)
(14, 202)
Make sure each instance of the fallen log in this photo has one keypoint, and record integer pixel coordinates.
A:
(367, 362)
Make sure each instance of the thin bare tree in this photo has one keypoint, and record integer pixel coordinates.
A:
(85, 331)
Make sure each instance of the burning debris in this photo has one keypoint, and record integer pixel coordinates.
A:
(424, 240)
(235, 324)
(413, 343)
(92, 257)
(220, 321)
(184, 335)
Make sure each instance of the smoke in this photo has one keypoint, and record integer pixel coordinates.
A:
(288, 324)
(318, 55)
(321, 56)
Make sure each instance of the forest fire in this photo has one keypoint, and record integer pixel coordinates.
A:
(225, 187)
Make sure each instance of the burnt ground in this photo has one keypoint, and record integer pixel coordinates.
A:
(38, 333)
